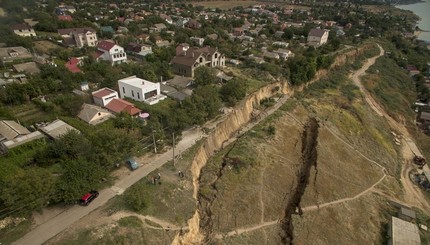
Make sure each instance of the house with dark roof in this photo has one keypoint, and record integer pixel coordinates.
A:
(188, 58)
(79, 37)
(194, 24)
(317, 37)
(14, 54)
(137, 49)
(166, 18)
(109, 51)
(23, 30)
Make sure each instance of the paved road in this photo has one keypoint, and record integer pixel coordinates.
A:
(62, 221)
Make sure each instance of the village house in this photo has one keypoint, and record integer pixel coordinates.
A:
(23, 30)
(194, 24)
(10, 130)
(14, 54)
(166, 18)
(119, 105)
(12, 134)
(188, 59)
(109, 51)
(56, 129)
(284, 53)
(79, 37)
(103, 96)
(139, 50)
(317, 37)
(65, 17)
(64, 10)
(143, 38)
(140, 90)
(93, 114)
(158, 27)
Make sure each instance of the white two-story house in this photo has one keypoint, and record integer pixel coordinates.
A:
(23, 30)
(140, 90)
(79, 37)
(109, 51)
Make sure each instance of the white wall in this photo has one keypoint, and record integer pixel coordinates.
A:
(136, 92)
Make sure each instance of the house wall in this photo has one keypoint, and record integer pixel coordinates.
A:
(25, 32)
(106, 99)
(100, 117)
(82, 39)
(137, 93)
(183, 70)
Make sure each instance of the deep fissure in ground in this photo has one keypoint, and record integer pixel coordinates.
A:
(309, 159)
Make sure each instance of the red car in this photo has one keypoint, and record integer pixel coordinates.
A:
(88, 198)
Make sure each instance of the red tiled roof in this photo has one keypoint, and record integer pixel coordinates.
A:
(105, 45)
(72, 65)
(102, 92)
(65, 17)
(97, 54)
(119, 105)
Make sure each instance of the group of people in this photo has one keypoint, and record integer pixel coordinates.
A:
(156, 179)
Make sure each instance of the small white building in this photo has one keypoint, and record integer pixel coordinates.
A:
(109, 51)
(103, 96)
(140, 90)
(317, 37)
(23, 30)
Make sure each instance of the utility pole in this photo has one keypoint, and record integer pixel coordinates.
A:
(153, 139)
(173, 148)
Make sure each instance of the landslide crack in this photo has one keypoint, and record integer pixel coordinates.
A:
(309, 159)
(206, 199)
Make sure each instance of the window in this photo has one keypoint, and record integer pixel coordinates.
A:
(216, 55)
(116, 50)
(132, 93)
(138, 95)
(201, 59)
(123, 90)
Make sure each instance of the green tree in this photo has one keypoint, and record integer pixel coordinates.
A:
(80, 176)
(204, 75)
(28, 192)
(208, 97)
(233, 91)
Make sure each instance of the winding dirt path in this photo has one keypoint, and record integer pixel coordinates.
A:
(164, 225)
(413, 195)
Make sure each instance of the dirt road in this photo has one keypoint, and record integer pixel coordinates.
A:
(413, 195)
(62, 221)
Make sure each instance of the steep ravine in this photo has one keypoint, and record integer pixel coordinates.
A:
(241, 115)
(309, 159)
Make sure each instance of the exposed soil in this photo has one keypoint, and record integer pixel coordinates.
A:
(309, 159)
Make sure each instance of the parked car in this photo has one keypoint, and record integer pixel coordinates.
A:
(132, 164)
(89, 197)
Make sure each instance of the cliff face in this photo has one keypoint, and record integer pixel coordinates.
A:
(241, 115)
